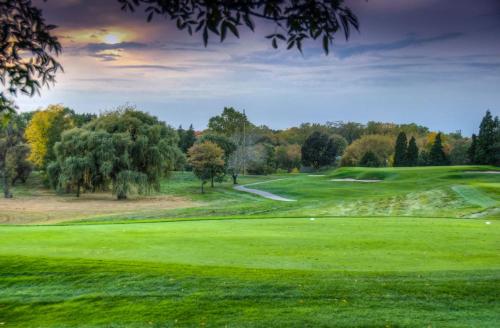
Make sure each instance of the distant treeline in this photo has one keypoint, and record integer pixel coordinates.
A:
(128, 151)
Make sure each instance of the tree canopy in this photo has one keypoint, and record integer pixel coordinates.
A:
(292, 22)
(207, 161)
(318, 150)
(27, 51)
(43, 131)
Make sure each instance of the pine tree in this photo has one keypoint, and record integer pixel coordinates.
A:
(486, 140)
(401, 150)
(437, 155)
(472, 152)
(189, 138)
(412, 153)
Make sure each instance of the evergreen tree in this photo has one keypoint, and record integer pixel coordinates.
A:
(412, 153)
(487, 139)
(187, 138)
(472, 152)
(437, 155)
(401, 150)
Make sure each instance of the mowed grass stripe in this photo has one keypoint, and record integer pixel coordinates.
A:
(474, 196)
(343, 244)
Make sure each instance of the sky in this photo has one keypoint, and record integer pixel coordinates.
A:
(432, 62)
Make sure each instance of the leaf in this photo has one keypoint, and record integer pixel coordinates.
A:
(326, 44)
(275, 44)
(233, 29)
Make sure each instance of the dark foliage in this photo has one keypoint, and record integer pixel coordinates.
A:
(293, 22)
(318, 150)
(401, 150)
(412, 153)
(23, 34)
(187, 138)
(437, 156)
(369, 159)
(488, 141)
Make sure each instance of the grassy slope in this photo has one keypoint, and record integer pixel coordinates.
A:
(253, 273)
(415, 192)
(283, 272)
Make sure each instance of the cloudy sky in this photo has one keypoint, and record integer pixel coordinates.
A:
(433, 62)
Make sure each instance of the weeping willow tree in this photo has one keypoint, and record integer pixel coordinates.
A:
(125, 151)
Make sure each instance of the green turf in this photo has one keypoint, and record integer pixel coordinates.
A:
(419, 249)
(262, 272)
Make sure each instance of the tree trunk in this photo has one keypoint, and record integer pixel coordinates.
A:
(212, 182)
(6, 191)
(78, 189)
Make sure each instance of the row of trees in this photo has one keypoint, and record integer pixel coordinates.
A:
(127, 150)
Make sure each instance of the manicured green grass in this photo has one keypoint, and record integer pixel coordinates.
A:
(420, 248)
(262, 272)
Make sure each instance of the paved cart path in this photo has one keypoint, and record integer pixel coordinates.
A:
(262, 193)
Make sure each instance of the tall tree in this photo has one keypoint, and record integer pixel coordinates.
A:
(437, 156)
(318, 150)
(486, 140)
(229, 123)
(472, 152)
(13, 153)
(43, 131)
(207, 161)
(412, 153)
(187, 138)
(401, 150)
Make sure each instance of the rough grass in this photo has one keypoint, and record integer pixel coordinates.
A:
(451, 192)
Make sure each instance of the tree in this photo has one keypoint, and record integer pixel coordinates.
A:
(351, 131)
(472, 152)
(437, 156)
(412, 153)
(43, 131)
(151, 152)
(13, 153)
(381, 145)
(207, 160)
(401, 150)
(487, 139)
(187, 138)
(318, 150)
(24, 34)
(261, 159)
(229, 123)
(459, 151)
(288, 157)
(86, 160)
(299, 20)
(369, 159)
(339, 143)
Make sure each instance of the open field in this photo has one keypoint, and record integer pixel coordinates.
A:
(420, 248)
